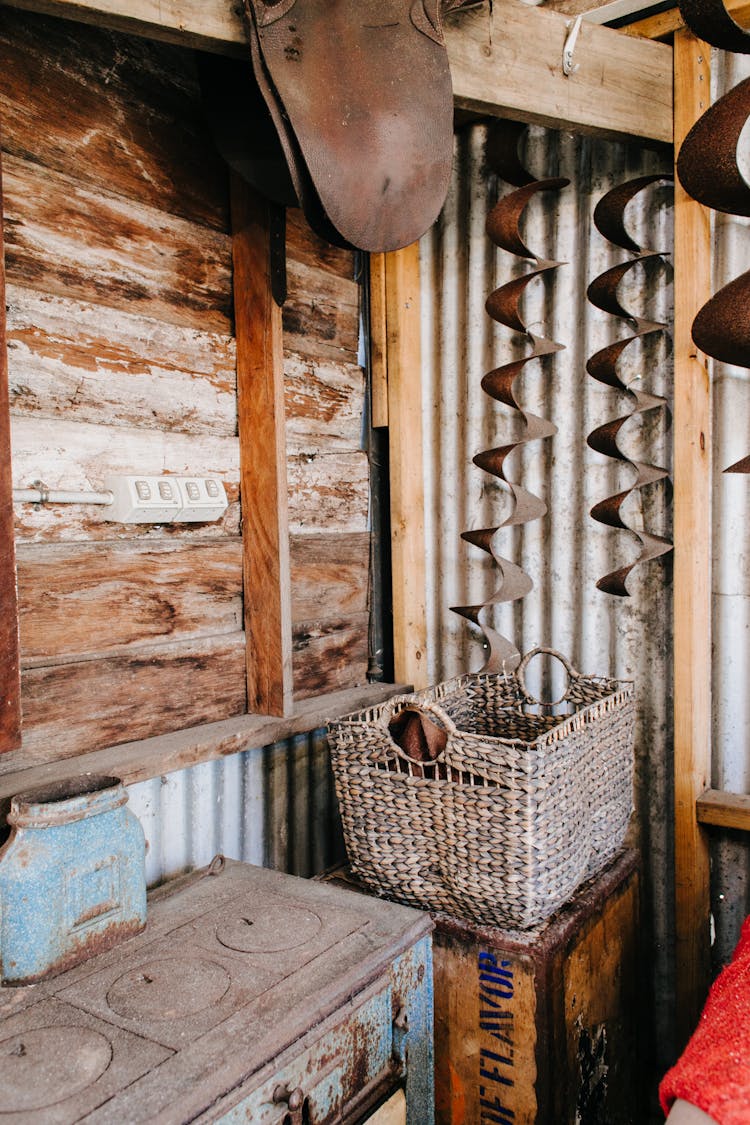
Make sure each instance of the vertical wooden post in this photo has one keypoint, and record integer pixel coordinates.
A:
(692, 552)
(405, 466)
(10, 691)
(263, 478)
(378, 342)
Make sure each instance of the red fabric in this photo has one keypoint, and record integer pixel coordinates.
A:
(713, 1073)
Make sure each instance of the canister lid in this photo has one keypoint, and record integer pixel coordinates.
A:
(61, 802)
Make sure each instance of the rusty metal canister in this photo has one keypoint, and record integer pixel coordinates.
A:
(72, 877)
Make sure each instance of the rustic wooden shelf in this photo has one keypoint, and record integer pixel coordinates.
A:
(725, 810)
(152, 757)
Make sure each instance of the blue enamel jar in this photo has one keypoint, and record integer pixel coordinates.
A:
(72, 877)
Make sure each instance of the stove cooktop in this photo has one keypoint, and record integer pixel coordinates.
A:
(231, 969)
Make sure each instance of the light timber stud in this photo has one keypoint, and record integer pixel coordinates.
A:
(405, 466)
(10, 696)
(692, 553)
(263, 480)
(378, 342)
(504, 62)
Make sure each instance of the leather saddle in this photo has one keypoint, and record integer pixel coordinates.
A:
(360, 95)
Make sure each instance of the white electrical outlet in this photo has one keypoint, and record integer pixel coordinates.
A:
(203, 498)
(142, 499)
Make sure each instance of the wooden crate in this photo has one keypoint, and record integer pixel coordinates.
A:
(542, 1027)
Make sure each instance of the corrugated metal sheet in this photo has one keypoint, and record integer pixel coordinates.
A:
(274, 807)
(731, 577)
(566, 552)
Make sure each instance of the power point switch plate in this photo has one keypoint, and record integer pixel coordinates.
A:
(143, 499)
(203, 498)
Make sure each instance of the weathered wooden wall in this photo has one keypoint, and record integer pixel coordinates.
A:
(122, 359)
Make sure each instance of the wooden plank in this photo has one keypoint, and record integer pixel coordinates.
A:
(98, 597)
(664, 23)
(305, 247)
(67, 239)
(406, 469)
(321, 314)
(497, 61)
(324, 404)
(325, 493)
(10, 703)
(124, 116)
(145, 692)
(692, 554)
(330, 655)
(152, 757)
(78, 361)
(189, 23)
(77, 455)
(622, 89)
(329, 575)
(263, 479)
(659, 26)
(725, 810)
(328, 493)
(378, 342)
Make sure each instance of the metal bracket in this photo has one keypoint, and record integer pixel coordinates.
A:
(568, 66)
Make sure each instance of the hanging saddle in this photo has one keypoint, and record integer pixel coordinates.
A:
(360, 94)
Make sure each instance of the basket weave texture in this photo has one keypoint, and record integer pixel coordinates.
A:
(520, 807)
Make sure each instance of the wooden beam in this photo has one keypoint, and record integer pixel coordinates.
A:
(263, 479)
(508, 64)
(692, 553)
(406, 471)
(405, 466)
(10, 695)
(725, 810)
(152, 757)
(378, 342)
(213, 25)
(665, 23)
(614, 92)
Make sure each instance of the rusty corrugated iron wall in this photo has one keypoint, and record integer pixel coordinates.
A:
(273, 806)
(566, 552)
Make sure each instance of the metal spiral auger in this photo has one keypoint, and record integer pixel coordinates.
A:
(504, 307)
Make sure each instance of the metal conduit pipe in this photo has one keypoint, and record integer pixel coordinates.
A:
(38, 493)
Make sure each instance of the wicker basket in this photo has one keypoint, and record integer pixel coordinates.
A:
(521, 806)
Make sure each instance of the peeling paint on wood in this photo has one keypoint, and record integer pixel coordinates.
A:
(10, 714)
(122, 358)
(69, 239)
(324, 404)
(71, 359)
(321, 315)
(328, 493)
(145, 139)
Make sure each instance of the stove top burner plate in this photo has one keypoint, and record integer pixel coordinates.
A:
(45, 1065)
(168, 989)
(268, 927)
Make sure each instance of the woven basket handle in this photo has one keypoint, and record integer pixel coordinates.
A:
(521, 675)
(426, 707)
